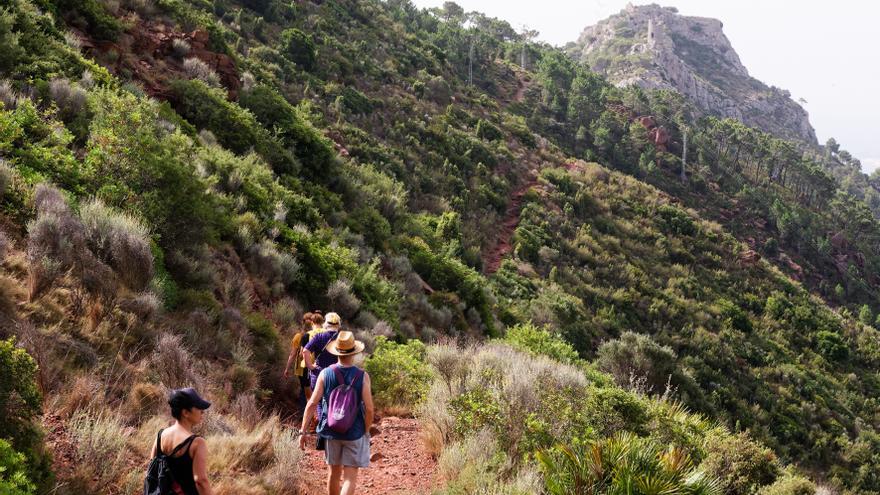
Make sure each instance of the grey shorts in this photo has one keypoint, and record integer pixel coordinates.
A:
(351, 453)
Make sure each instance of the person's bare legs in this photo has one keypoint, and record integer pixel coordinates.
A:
(349, 480)
(333, 480)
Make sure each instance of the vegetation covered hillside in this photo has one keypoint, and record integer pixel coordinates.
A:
(180, 180)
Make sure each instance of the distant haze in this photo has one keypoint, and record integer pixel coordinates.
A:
(824, 52)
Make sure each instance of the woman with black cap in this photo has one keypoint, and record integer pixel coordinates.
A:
(187, 453)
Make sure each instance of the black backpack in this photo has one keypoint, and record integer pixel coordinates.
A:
(160, 480)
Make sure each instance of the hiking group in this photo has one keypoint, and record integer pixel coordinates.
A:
(338, 411)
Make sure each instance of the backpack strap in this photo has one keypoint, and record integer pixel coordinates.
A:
(159, 443)
(340, 378)
(186, 443)
(325, 348)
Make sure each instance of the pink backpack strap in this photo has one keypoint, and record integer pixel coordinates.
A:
(340, 378)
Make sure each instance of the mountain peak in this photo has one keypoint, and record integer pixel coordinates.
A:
(655, 47)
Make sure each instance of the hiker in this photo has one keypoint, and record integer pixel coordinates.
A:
(300, 339)
(316, 359)
(185, 454)
(344, 390)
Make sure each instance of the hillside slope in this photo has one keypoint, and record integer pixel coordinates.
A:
(224, 166)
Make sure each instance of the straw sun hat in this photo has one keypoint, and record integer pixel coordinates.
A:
(345, 345)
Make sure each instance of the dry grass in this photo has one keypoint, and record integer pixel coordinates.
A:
(85, 393)
(101, 447)
(173, 363)
(509, 375)
(144, 401)
(10, 293)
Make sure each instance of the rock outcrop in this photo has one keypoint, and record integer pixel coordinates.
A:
(656, 48)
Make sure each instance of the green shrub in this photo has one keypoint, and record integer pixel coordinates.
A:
(831, 345)
(399, 374)
(742, 465)
(636, 360)
(20, 403)
(623, 464)
(313, 150)
(139, 168)
(235, 128)
(443, 272)
(536, 341)
(676, 221)
(475, 410)
(734, 316)
(790, 484)
(92, 15)
(264, 339)
(299, 48)
(379, 295)
(485, 130)
(13, 472)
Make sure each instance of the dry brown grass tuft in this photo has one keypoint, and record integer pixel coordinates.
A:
(144, 401)
(173, 363)
(85, 393)
(101, 447)
(10, 293)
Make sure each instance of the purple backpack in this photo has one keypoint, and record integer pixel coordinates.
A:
(344, 403)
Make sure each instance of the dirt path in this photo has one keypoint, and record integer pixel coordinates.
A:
(522, 84)
(502, 247)
(400, 464)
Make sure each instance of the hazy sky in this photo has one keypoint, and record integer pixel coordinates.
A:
(824, 52)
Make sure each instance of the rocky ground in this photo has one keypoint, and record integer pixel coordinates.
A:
(399, 465)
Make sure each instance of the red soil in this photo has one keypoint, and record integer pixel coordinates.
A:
(399, 464)
(502, 248)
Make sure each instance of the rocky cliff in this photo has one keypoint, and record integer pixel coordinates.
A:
(655, 47)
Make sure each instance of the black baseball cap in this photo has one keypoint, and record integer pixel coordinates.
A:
(187, 398)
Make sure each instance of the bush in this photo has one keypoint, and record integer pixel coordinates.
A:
(485, 130)
(311, 148)
(742, 465)
(342, 300)
(235, 128)
(141, 168)
(4, 245)
(13, 472)
(70, 98)
(636, 361)
(536, 341)
(399, 374)
(279, 269)
(832, 346)
(196, 68)
(180, 48)
(620, 464)
(790, 484)
(20, 403)
(173, 364)
(676, 221)
(121, 241)
(6, 177)
(299, 48)
(92, 16)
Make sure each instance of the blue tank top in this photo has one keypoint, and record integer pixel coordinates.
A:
(357, 429)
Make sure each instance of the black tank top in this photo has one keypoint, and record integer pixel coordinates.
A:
(181, 466)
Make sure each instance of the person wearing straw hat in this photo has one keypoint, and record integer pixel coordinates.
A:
(348, 451)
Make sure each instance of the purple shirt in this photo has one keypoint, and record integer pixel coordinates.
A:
(316, 346)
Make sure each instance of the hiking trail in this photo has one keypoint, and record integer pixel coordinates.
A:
(399, 463)
(502, 247)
